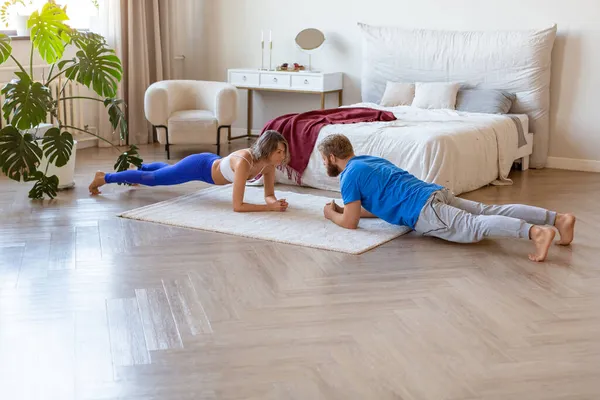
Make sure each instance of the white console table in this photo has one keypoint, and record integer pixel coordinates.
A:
(284, 81)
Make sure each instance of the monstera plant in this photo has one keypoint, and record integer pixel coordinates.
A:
(28, 101)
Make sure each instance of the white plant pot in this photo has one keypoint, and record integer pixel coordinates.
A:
(21, 25)
(66, 173)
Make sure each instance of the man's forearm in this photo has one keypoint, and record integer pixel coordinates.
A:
(365, 214)
(339, 220)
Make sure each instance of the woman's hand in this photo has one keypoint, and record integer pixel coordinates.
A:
(278, 205)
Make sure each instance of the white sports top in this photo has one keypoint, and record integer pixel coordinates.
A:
(227, 171)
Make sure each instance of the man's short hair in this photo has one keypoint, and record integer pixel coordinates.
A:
(338, 145)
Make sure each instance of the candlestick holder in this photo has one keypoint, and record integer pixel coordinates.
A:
(262, 55)
(270, 55)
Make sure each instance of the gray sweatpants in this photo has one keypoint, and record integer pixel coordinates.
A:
(458, 220)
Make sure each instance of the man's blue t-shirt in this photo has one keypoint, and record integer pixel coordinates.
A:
(385, 190)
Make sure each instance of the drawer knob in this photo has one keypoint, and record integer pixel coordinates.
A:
(275, 80)
(244, 78)
(306, 81)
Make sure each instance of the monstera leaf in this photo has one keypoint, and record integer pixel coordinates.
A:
(19, 154)
(44, 186)
(57, 147)
(117, 116)
(128, 158)
(97, 68)
(49, 34)
(81, 39)
(27, 101)
(5, 48)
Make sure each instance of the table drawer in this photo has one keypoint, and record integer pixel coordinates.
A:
(307, 82)
(275, 80)
(244, 78)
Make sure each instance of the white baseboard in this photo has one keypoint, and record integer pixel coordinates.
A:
(573, 164)
(84, 143)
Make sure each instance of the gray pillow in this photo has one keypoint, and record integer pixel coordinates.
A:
(486, 101)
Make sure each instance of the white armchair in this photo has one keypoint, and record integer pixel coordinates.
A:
(187, 111)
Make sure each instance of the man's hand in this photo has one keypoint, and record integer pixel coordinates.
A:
(336, 207)
(330, 209)
(347, 217)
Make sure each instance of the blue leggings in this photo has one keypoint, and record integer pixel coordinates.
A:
(197, 167)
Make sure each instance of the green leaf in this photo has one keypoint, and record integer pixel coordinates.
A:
(44, 186)
(97, 68)
(20, 155)
(5, 48)
(4, 9)
(82, 39)
(128, 158)
(62, 63)
(27, 101)
(117, 116)
(48, 32)
(58, 146)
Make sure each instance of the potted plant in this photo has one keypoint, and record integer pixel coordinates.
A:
(23, 151)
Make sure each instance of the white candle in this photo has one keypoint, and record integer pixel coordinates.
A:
(270, 35)
(262, 35)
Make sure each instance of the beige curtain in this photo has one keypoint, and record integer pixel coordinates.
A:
(146, 58)
(140, 32)
(108, 24)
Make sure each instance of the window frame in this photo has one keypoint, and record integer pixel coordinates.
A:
(12, 33)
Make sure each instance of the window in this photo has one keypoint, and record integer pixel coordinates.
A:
(80, 13)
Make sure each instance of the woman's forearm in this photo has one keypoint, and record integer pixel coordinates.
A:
(270, 199)
(247, 207)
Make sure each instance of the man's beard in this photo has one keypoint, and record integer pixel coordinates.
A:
(332, 170)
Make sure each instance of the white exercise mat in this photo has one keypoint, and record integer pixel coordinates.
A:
(302, 224)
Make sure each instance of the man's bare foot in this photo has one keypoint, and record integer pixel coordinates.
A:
(97, 182)
(542, 238)
(565, 223)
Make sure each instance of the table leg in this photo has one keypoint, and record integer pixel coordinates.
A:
(249, 132)
(340, 95)
(322, 101)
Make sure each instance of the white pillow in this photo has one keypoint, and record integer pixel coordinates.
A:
(398, 94)
(435, 95)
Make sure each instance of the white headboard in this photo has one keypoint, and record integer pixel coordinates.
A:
(516, 61)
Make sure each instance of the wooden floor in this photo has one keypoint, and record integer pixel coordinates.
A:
(97, 307)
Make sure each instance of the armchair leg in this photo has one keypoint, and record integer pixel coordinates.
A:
(219, 136)
(167, 146)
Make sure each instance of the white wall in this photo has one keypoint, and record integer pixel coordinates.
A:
(192, 25)
(234, 42)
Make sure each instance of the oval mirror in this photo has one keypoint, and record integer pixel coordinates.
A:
(310, 39)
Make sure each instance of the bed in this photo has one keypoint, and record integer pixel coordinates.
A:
(462, 151)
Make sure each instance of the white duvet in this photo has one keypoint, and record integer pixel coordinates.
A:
(461, 151)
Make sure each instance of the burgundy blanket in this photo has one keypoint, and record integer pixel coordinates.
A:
(301, 131)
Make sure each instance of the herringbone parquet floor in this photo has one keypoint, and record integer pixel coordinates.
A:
(97, 307)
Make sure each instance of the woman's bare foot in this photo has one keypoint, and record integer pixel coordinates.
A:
(565, 223)
(542, 238)
(133, 168)
(97, 182)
